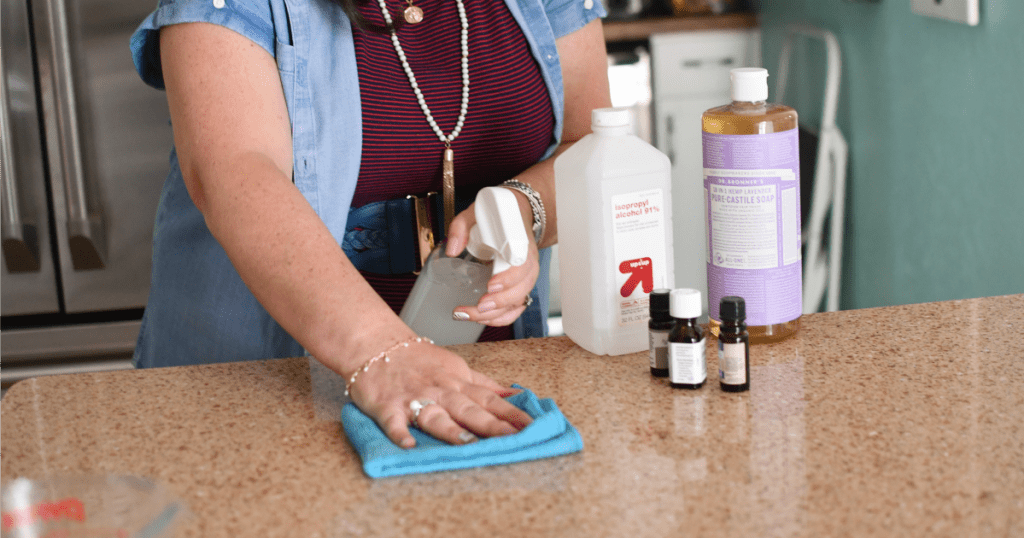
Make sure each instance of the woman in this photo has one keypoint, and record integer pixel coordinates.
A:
(295, 131)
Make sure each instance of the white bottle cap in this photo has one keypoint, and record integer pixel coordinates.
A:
(610, 117)
(685, 303)
(749, 84)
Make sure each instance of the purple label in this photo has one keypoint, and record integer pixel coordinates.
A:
(752, 196)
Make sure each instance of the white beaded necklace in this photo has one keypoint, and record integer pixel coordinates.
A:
(448, 161)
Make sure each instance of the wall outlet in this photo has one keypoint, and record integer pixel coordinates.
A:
(962, 11)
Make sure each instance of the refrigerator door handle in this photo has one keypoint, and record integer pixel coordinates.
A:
(20, 242)
(85, 230)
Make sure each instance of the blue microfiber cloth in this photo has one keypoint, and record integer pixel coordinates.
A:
(550, 434)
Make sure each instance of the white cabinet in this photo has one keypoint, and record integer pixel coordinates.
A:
(691, 75)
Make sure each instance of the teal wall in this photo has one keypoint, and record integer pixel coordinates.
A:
(934, 115)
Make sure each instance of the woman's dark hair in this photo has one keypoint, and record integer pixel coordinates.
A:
(351, 9)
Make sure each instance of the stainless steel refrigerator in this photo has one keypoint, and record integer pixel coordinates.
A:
(85, 152)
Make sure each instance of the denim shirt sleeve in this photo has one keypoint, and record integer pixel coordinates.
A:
(254, 19)
(567, 16)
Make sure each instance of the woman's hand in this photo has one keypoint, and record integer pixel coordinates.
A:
(507, 291)
(461, 404)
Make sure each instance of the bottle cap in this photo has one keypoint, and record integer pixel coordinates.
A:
(660, 303)
(610, 117)
(749, 84)
(686, 303)
(733, 308)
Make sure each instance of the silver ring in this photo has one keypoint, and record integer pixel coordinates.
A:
(528, 301)
(416, 406)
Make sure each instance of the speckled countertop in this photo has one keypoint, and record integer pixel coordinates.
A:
(899, 421)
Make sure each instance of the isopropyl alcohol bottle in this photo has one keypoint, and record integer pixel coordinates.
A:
(752, 192)
(613, 193)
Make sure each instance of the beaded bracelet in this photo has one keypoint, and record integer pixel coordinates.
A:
(540, 218)
(382, 355)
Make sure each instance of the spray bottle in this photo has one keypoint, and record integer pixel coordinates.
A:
(497, 242)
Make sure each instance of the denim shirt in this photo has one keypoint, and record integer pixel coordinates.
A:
(199, 310)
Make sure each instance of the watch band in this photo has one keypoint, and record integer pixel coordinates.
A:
(536, 204)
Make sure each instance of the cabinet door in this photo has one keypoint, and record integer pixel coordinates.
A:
(689, 64)
(679, 137)
(691, 75)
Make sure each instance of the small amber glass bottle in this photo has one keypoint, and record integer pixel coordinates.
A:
(733, 346)
(659, 326)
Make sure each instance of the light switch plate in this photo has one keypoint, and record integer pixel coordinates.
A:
(962, 11)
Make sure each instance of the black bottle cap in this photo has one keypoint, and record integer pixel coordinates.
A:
(732, 307)
(660, 303)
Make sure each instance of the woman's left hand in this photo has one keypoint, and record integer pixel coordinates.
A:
(507, 291)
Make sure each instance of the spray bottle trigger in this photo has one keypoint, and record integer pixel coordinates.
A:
(499, 234)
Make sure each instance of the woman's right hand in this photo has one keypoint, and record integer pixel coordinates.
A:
(466, 404)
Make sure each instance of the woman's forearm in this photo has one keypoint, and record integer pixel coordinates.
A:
(295, 268)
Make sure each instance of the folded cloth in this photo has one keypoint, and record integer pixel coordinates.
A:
(550, 434)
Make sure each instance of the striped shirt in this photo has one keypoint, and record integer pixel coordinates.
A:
(507, 127)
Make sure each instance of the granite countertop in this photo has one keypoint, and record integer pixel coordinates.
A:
(897, 421)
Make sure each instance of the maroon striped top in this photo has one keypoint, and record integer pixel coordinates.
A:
(508, 124)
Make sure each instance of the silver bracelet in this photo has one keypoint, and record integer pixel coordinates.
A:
(540, 219)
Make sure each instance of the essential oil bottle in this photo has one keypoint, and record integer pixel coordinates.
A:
(687, 366)
(733, 346)
(659, 326)
(752, 190)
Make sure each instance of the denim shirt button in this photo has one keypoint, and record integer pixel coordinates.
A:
(589, 4)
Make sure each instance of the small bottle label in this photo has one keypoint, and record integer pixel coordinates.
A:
(638, 236)
(732, 363)
(752, 192)
(659, 350)
(686, 363)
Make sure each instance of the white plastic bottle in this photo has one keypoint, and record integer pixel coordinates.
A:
(614, 202)
(497, 242)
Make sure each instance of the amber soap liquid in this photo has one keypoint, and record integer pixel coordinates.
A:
(752, 118)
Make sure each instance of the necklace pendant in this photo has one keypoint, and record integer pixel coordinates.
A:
(448, 186)
(413, 14)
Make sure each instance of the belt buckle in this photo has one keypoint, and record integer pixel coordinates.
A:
(424, 227)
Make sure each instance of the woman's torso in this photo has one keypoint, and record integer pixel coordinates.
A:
(508, 123)
(199, 310)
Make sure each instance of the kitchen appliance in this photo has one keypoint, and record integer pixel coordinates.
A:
(629, 83)
(85, 153)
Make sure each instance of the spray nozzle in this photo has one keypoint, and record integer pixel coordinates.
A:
(499, 234)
